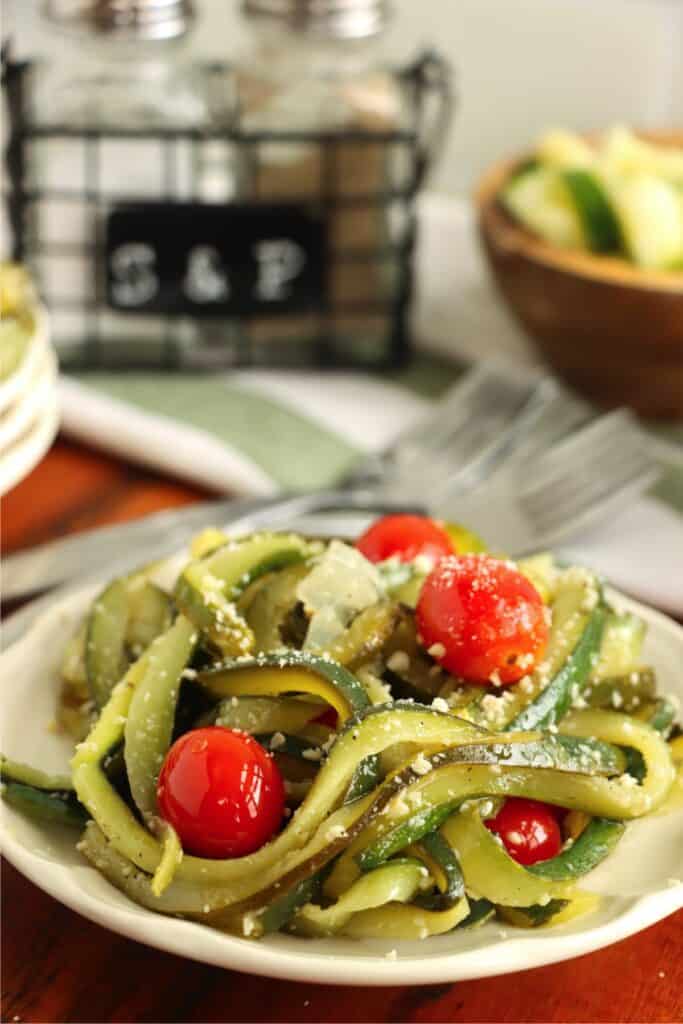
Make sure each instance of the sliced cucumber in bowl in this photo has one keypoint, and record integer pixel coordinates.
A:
(650, 212)
(600, 224)
(539, 199)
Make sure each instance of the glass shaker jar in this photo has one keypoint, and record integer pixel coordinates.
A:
(257, 212)
(97, 113)
(119, 63)
(325, 120)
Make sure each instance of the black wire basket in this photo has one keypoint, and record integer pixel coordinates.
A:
(315, 269)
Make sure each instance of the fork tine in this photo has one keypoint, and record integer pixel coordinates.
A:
(494, 447)
(610, 501)
(598, 471)
(562, 416)
(598, 433)
(550, 505)
(484, 388)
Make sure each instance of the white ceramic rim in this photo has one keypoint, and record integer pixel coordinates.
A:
(19, 381)
(518, 951)
(21, 416)
(18, 460)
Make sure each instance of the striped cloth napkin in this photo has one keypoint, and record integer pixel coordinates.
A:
(255, 432)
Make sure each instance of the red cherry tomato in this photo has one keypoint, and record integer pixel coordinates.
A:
(481, 619)
(328, 717)
(221, 792)
(529, 830)
(404, 537)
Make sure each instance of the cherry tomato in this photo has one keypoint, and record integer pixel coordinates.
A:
(404, 537)
(328, 717)
(529, 830)
(481, 619)
(221, 792)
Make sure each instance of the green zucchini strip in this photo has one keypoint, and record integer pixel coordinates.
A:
(269, 675)
(554, 700)
(105, 645)
(171, 857)
(281, 911)
(624, 693)
(489, 870)
(14, 771)
(150, 613)
(123, 621)
(534, 916)
(661, 716)
(439, 851)
(381, 727)
(578, 619)
(39, 795)
(397, 880)
(625, 731)
(266, 714)
(480, 912)
(424, 800)
(208, 587)
(151, 714)
(59, 807)
(366, 635)
(621, 646)
(267, 604)
(599, 221)
(396, 921)
(549, 752)
(207, 898)
(595, 843)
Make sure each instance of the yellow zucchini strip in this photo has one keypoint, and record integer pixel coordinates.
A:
(490, 873)
(269, 681)
(394, 921)
(623, 730)
(397, 880)
(376, 732)
(151, 714)
(170, 859)
(446, 784)
(267, 714)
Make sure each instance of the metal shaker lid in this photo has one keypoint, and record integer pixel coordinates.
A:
(327, 19)
(130, 19)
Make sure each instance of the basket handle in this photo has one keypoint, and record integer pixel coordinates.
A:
(431, 77)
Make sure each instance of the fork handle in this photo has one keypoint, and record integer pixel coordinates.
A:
(48, 565)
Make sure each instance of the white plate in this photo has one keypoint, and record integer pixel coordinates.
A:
(20, 418)
(636, 881)
(19, 381)
(20, 458)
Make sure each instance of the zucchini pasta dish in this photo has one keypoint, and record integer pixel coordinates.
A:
(389, 738)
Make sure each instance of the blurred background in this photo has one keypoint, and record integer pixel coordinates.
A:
(211, 205)
(521, 67)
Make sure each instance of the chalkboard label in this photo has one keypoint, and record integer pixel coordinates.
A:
(208, 260)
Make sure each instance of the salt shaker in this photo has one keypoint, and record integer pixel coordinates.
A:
(119, 64)
(331, 123)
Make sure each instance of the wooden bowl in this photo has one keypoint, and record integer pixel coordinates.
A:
(613, 331)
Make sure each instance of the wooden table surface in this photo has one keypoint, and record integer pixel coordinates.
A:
(58, 967)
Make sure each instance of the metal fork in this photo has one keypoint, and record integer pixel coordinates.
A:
(539, 500)
(518, 499)
(466, 435)
(470, 431)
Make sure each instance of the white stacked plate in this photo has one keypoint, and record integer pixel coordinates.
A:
(29, 408)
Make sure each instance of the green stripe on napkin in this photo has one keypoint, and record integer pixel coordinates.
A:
(293, 450)
(298, 452)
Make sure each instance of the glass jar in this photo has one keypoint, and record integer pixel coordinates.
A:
(120, 65)
(326, 121)
(257, 212)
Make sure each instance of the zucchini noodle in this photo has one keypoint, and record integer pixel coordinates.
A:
(269, 634)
